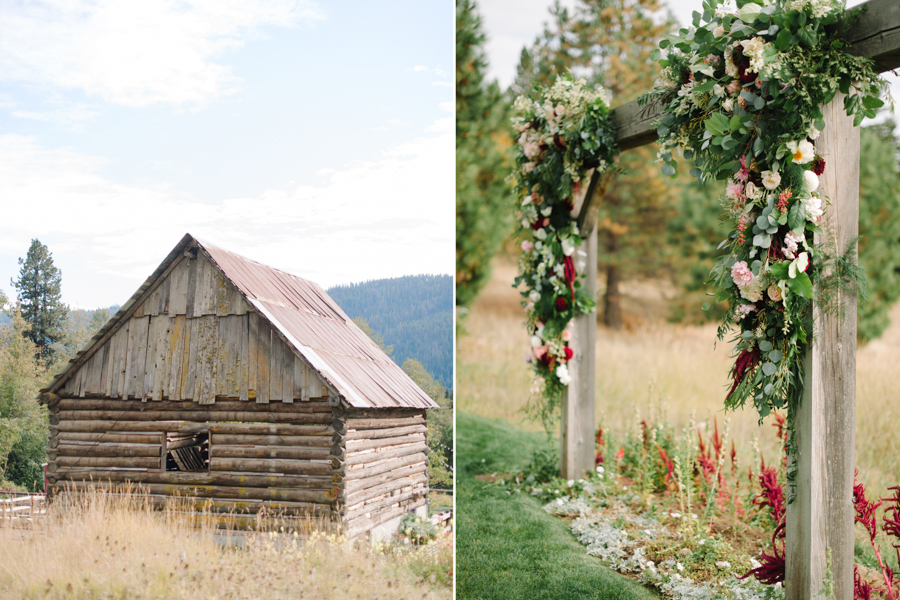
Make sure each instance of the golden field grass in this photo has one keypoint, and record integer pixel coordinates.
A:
(104, 548)
(674, 368)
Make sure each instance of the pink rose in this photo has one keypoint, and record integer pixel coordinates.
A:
(540, 351)
(566, 335)
(741, 274)
(734, 87)
(734, 190)
(527, 246)
(774, 292)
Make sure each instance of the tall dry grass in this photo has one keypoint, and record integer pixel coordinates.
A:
(678, 369)
(103, 547)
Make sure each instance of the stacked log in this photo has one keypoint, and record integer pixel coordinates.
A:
(262, 457)
(382, 464)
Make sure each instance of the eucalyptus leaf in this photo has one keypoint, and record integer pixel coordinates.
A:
(765, 345)
(769, 369)
(775, 356)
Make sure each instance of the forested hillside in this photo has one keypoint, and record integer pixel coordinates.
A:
(414, 314)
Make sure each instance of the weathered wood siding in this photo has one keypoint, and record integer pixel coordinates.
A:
(194, 338)
(278, 459)
(381, 464)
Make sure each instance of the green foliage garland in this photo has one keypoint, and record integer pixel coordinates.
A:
(742, 91)
(564, 133)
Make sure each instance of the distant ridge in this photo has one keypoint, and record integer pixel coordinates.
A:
(414, 314)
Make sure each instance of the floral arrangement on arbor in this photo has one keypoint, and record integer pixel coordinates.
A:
(562, 134)
(741, 92)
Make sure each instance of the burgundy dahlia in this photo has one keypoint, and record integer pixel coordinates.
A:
(818, 165)
(561, 304)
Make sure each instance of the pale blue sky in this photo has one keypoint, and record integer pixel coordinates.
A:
(315, 137)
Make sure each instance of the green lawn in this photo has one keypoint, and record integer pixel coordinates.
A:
(506, 545)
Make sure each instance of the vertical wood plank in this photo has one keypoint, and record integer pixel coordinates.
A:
(221, 356)
(178, 292)
(263, 360)
(209, 365)
(162, 307)
(252, 349)
(299, 379)
(222, 290)
(161, 371)
(243, 358)
(822, 514)
(192, 353)
(173, 357)
(140, 332)
(163, 451)
(150, 357)
(121, 358)
(276, 356)
(191, 285)
(187, 330)
(126, 358)
(577, 424)
(104, 373)
(287, 376)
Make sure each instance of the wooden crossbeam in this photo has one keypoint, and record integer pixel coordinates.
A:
(876, 35)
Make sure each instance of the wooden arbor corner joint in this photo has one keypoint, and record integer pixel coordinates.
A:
(821, 517)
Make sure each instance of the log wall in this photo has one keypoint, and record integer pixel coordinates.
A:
(193, 337)
(277, 460)
(380, 460)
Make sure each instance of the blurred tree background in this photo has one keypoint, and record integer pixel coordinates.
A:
(650, 227)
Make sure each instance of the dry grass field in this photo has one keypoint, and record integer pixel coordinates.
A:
(111, 549)
(655, 365)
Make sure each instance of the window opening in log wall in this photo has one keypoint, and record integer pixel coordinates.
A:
(187, 452)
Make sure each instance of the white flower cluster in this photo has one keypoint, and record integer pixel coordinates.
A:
(820, 8)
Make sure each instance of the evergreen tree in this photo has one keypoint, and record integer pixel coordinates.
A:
(879, 225)
(483, 200)
(39, 293)
(609, 42)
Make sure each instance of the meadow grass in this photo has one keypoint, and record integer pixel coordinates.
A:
(103, 547)
(654, 365)
(507, 546)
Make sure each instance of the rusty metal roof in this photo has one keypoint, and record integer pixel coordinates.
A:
(310, 321)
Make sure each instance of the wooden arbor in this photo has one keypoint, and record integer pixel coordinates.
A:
(822, 515)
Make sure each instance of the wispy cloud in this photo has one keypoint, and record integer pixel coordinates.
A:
(136, 53)
(381, 218)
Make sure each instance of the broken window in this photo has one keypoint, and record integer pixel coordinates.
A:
(187, 452)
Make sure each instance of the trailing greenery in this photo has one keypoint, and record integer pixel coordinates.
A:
(741, 95)
(414, 314)
(506, 545)
(564, 133)
(483, 201)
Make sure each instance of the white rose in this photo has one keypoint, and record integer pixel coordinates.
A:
(560, 110)
(536, 341)
(727, 105)
(534, 296)
(752, 191)
(719, 31)
(771, 179)
(540, 234)
(563, 373)
(810, 181)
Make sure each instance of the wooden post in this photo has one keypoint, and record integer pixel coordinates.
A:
(822, 514)
(577, 426)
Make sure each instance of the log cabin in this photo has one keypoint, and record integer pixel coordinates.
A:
(246, 391)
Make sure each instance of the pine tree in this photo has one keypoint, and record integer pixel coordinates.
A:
(38, 288)
(440, 424)
(879, 225)
(483, 200)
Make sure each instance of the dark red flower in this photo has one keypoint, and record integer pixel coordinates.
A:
(561, 304)
(569, 353)
(745, 362)
(818, 165)
(743, 75)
